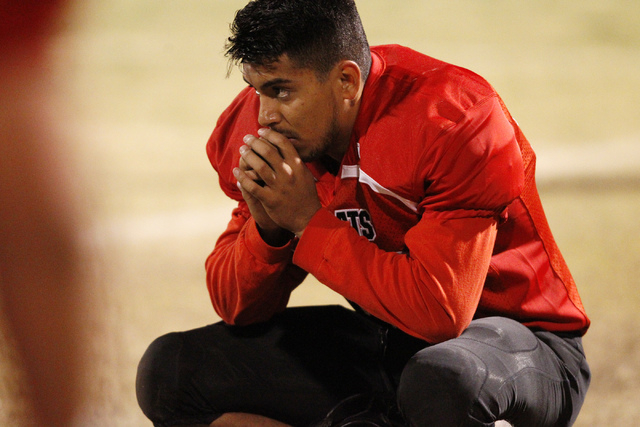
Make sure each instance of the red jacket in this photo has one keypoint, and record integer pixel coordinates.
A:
(432, 220)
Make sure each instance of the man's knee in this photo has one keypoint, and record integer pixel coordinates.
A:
(440, 385)
(158, 374)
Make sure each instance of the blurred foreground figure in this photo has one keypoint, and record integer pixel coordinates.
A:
(42, 292)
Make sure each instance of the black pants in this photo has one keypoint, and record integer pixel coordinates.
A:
(299, 365)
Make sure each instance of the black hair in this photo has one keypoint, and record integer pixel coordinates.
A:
(314, 34)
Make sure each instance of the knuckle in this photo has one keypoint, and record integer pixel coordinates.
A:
(262, 169)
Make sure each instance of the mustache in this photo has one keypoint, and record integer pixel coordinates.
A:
(286, 133)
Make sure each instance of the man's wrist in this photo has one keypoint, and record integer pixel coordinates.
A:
(277, 237)
(298, 233)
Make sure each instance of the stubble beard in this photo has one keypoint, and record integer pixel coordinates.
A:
(328, 141)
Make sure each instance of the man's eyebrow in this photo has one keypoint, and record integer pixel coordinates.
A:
(270, 83)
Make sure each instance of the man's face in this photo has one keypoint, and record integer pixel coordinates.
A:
(295, 103)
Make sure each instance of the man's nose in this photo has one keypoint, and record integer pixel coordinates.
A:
(269, 114)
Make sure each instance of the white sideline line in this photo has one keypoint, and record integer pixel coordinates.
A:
(615, 158)
(590, 162)
(167, 225)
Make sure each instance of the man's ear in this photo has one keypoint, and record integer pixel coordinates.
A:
(350, 80)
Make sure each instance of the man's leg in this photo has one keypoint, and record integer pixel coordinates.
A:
(294, 368)
(497, 369)
(236, 419)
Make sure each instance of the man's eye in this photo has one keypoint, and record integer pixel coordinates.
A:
(281, 93)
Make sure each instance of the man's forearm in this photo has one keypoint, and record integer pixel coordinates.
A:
(430, 293)
(249, 280)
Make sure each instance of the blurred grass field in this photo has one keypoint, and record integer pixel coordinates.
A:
(145, 81)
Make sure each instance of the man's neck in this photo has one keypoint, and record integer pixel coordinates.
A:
(330, 164)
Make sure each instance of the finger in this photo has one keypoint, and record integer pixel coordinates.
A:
(242, 164)
(285, 163)
(247, 184)
(265, 149)
(253, 161)
(280, 142)
(255, 178)
(250, 172)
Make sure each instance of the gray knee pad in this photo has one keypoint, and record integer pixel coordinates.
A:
(440, 385)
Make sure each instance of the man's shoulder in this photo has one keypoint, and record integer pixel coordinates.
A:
(244, 104)
(240, 116)
(237, 120)
(430, 75)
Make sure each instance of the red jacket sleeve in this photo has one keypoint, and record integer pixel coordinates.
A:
(430, 293)
(248, 280)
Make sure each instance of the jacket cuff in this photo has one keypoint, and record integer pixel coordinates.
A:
(263, 251)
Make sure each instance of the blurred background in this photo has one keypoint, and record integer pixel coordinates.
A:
(144, 82)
